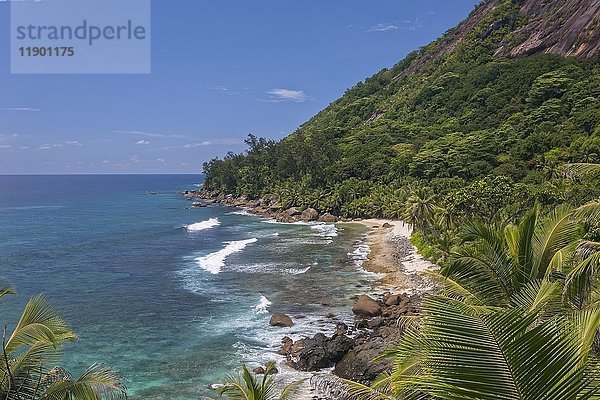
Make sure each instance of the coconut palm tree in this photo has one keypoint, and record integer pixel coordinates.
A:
(29, 356)
(247, 386)
(420, 208)
(465, 352)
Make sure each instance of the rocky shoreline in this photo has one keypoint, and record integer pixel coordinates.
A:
(349, 352)
(264, 207)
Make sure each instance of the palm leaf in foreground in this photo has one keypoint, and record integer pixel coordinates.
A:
(97, 382)
(246, 386)
(28, 372)
(462, 352)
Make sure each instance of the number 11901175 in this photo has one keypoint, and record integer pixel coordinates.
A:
(46, 51)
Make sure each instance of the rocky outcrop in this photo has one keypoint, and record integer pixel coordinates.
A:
(567, 28)
(310, 214)
(376, 335)
(353, 356)
(329, 218)
(282, 320)
(264, 207)
(366, 307)
(318, 352)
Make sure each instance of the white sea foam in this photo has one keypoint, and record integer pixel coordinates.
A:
(325, 230)
(296, 271)
(200, 226)
(262, 306)
(240, 212)
(276, 268)
(360, 254)
(214, 262)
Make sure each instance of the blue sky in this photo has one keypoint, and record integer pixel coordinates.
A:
(220, 70)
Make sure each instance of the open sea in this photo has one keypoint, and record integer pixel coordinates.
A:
(172, 297)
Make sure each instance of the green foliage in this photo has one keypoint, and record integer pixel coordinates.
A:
(441, 138)
(29, 356)
(517, 316)
(457, 155)
(485, 198)
(467, 115)
(247, 386)
(422, 245)
(473, 353)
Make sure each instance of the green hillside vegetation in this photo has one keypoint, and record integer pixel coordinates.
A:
(468, 133)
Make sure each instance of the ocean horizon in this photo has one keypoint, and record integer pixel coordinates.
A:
(171, 296)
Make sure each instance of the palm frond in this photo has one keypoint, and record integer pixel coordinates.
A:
(291, 391)
(482, 271)
(365, 392)
(462, 354)
(97, 382)
(39, 323)
(6, 290)
(554, 233)
(589, 212)
(538, 295)
(580, 169)
(581, 280)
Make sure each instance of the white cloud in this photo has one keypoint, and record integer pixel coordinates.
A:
(383, 27)
(49, 146)
(152, 135)
(205, 143)
(7, 137)
(4, 146)
(212, 142)
(142, 142)
(31, 109)
(413, 25)
(279, 94)
(225, 90)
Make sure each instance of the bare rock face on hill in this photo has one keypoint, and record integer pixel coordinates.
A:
(567, 28)
(563, 27)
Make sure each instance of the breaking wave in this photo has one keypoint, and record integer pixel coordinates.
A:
(214, 262)
(200, 226)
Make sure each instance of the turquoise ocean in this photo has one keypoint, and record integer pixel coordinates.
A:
(172, 297)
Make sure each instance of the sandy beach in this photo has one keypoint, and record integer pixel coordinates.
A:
(394, 257)
(396, 260)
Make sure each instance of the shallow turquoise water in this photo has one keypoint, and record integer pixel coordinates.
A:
(140, 288)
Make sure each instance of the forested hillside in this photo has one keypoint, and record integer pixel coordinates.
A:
(477, 122)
